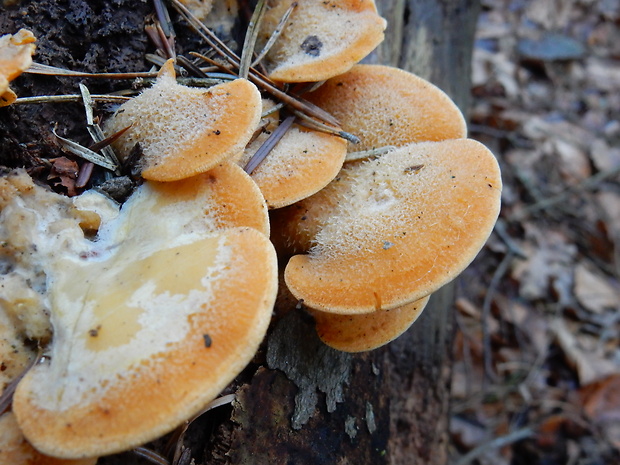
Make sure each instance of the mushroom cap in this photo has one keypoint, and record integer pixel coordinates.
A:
(368, 331)
(322, 38)
(131, 365)
(393, 229)
(17, 451)
(154, 319)
(385, 106)
(15, 56)
(302, 163)
(184, 131)
(226, 194)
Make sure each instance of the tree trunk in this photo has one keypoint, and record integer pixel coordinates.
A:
(314, 405)
(300, 402)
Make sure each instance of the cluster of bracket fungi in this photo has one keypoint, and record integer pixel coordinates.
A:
(361, 189)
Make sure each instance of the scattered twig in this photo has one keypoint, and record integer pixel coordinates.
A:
(7, 395)
(253, 75)
(589, 183)
(314, 124)
(191, 67)
(276, 33)
(277, 107)
(304, 107)
(153, 33)
(69, 98)
(151, 456)
(212, 79)
(85, 153)
(108, 140)
(38, 68)
(364, 154)
(250, 39)
(501, 230)
(168, 42)
(205, 33)
(269, 144)
(496, 443)
(502, 269)
(96, 132)
(155, 59)
(164, 18)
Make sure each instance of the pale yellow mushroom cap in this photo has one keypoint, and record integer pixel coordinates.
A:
(322, 39)
(393, 229)
(184, 131)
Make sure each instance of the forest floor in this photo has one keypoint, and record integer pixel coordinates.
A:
(537, 358)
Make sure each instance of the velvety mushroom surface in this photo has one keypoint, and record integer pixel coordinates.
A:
(301, 163)
(183, 131)
(153, 319)
(391, 230)
(322, 38)
(386, 106)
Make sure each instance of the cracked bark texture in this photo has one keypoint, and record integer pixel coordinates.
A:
(300, 402)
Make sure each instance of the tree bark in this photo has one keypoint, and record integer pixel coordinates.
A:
(313, 405)
(299, 402)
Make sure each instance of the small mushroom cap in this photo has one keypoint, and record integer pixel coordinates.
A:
(225, 195)
(385, 106)
(358, 333)
(15, 56)
(153, 319)
(322, 38)
(16, 450)
(184, 131)
(302, 163)
(391, 230)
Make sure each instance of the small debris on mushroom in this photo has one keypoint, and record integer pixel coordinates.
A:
(302, 162)
(437, 219)
(184, 131)
(322, 38)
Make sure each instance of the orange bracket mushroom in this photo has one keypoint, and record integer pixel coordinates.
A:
(391, 230)
(368, 331)
(184, 131)
(153, 319)
(386, 106)
(302, 162)
(322, 39)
